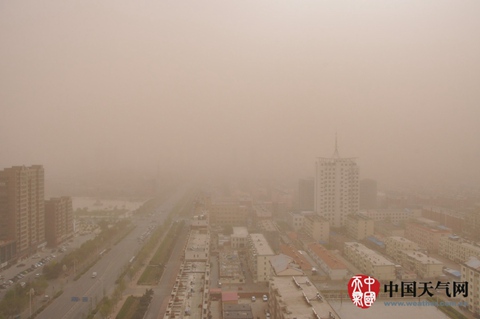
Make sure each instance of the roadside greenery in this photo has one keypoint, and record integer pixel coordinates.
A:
(17, 298)
(153, 272)
(135, 307)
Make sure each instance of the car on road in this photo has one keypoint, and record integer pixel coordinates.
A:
(253, 298)
(265, 298)
(94, 274)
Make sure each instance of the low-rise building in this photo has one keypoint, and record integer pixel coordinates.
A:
(426, 234)
(297, 255)
(396, 245)
(359, 226)
(393, 215)
(458, 249)
(283, 265)
(296, 297)
(421, 264)
(369, 262)
(328, 262)
(386, 228)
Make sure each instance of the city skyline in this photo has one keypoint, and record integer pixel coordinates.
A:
(262, 95)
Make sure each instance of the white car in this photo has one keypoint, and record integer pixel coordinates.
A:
(253, 298)
(265, 298)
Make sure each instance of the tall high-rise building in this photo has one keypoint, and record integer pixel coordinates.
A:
(336, 188)
(22, 207)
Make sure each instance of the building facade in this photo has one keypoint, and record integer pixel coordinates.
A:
(58, 220)
(22, 208)
(395, 245)
(258, 257)
(458, 249)
(369, 262)
(421, 264)
(471, 273)
(359, 226)
(317, 227)
(336, 188)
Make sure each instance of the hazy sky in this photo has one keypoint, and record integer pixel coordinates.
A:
(243, 87)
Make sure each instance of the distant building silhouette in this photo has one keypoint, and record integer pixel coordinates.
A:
(306, 194)
(336, 188)
(368, 194)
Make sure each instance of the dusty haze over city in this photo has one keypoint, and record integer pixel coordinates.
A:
(242, 88)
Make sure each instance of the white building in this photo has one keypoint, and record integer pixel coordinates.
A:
(259, 253)
(336, 188)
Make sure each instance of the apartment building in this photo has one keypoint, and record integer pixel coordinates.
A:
(426, 235)
(359, 226)
(421, 264)
(393, 215)
(471, 273)
(22, 208)
(296, 297)
(317, 227)
(336, 188)
(58, 220)
(369, 262)
(396, 245)
(259, 253)
(295, 220)
(458, 249)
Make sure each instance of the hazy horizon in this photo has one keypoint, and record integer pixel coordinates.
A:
(242, 89)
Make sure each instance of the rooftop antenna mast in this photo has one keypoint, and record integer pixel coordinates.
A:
(335, 154)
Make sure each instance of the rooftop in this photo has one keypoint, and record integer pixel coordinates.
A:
(299, 298)
(261, 245)
(330, 259)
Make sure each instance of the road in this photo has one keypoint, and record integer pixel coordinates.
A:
(81, 296)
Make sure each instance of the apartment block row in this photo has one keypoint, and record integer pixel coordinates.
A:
(369, 262)
(458, 249)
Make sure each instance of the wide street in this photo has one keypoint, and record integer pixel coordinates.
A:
(80, 296)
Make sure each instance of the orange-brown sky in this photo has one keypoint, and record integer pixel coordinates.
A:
(243, 87)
